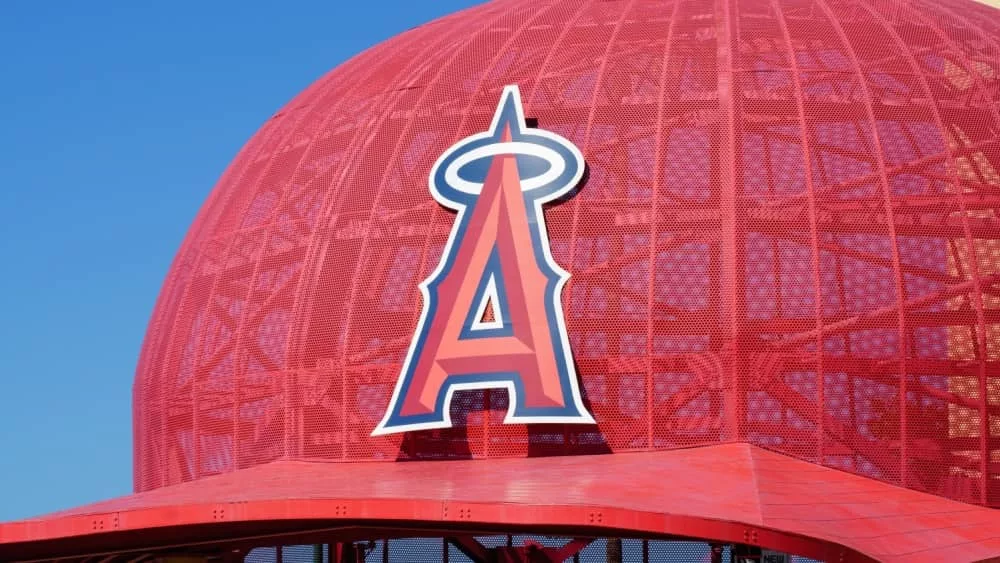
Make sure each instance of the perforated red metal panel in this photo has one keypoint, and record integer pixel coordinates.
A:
(788, 237)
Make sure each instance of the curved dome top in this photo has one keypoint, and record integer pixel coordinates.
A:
(787, 237)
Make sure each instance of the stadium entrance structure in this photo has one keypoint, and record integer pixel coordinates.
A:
(782, 302)
(726, 495)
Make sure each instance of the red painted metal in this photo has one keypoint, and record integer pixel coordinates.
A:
(530, 552)
(571, 549)
(471, 548)
(731, 493)
(788, 238)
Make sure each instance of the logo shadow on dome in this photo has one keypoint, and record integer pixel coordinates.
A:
(538, 440)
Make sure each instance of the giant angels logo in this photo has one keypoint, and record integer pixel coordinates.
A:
(492, 317)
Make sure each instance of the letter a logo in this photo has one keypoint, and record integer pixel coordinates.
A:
(492, 317)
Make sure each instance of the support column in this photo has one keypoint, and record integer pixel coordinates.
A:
(346, 553)
(716, 555)
(614, 550)
(746, 554)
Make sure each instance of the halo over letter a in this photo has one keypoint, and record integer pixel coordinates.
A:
(492, 317)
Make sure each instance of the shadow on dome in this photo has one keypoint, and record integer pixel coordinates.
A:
(468, 411)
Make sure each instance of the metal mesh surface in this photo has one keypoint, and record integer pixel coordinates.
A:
(788, 237)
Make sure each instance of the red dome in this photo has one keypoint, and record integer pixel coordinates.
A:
(788, 237)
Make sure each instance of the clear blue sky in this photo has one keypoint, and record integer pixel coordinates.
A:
(118, 118)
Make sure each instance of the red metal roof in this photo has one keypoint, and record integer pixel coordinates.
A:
(736, 492)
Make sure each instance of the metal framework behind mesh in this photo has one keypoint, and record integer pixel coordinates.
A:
(440, 549)
(788, 237)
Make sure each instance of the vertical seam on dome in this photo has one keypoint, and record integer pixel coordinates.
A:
(654, 231)
(595, 100)
(731, 302)
(813, 233)
(891, 225)
(530, 98)
(984, 418)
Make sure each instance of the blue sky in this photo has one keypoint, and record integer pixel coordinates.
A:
(118, 118)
